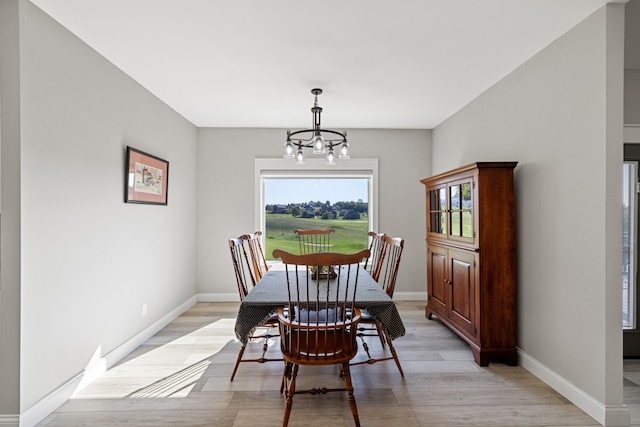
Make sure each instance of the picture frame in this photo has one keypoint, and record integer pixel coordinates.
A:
(146, 178)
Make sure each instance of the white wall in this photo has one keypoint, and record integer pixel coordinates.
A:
(560, 116)
(632, 63)
(226, 196)
(10, 224)
(88, 259)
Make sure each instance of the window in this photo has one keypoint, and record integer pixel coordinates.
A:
(290, 196)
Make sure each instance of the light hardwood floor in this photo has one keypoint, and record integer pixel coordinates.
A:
(180, 377)
(632, 389)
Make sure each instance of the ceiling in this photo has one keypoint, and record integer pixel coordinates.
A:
(382, 64)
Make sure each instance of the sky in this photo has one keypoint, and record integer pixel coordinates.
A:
(284, 191)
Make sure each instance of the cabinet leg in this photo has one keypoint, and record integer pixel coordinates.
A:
(483, 358)
(428, 314)
(477, 357)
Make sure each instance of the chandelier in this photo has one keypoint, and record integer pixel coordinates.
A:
(321, 140)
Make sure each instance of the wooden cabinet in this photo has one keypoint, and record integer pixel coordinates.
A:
(471, 257)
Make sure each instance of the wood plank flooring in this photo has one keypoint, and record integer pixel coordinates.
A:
(180, 377)
(632, 389)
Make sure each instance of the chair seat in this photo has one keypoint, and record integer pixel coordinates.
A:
(365, 316)
(273, 319)
(321, 315)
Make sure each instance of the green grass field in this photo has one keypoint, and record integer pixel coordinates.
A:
(350, 235)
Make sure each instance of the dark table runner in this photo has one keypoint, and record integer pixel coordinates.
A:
(271, 292)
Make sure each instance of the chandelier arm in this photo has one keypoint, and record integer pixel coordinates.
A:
(314, 131)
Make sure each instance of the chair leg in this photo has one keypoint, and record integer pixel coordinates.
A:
(371, 361)
(262, 359)
(291, 389)
(352, 400)
(365, 346)
(395, 355)
(380, 333)
(238, 359)
(285, 375)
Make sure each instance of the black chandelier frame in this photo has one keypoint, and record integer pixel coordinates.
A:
(315, 138)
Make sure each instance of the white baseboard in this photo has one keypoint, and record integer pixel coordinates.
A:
(631, 133)
(607, 415)
(53, 400)
(9, 420)
(410, 296)
(215, 297)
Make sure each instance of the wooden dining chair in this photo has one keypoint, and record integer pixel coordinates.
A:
(246, 281)
(319, 324)
(241, 267)
(311, 241)
(393, 247)
(387, 275)
(374, 262)
(258, 261)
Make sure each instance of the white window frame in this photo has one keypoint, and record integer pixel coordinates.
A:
(315, 168)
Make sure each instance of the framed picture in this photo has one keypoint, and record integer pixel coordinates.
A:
(147, 178)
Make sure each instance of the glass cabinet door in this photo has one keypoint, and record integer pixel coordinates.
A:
(438, 210)
(461, 209)
(450, 208)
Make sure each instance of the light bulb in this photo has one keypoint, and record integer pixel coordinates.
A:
(330, 157)
(300, 157)
(344, 151)
(288, 150)
(318, 144)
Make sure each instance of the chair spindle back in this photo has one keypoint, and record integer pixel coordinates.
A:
(374, 262)
(388, 271)
(258, 261)
(322, 318)
(312, 241)
(241, 266)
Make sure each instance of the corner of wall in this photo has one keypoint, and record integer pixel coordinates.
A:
(607, 415)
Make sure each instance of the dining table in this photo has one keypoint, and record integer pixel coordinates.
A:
(272, 292)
